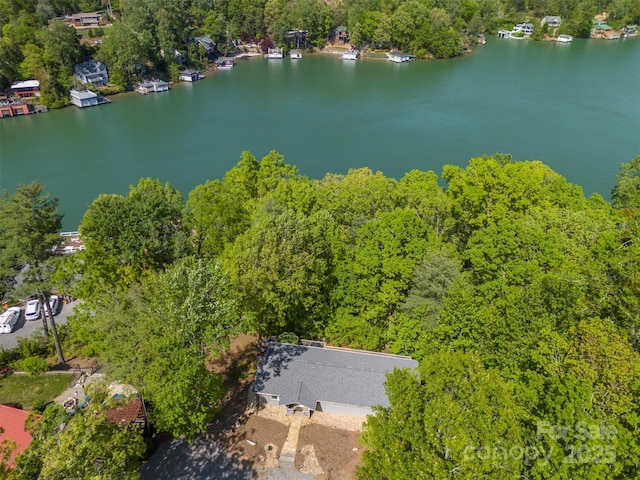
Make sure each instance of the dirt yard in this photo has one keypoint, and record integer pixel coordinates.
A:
(328, 445)
(333, 449)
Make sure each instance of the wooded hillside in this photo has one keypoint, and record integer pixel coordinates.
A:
(518, 295)
(36, 43)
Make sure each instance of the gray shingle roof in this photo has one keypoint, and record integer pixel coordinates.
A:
(305, 375)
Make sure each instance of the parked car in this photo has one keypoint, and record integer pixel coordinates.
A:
(9, 319)
(54, 304)
(32, 310)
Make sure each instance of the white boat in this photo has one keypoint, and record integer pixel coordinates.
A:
(351, 54)
(563, 38)
(274, 53)
(295, 54)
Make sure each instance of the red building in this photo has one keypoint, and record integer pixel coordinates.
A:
(12, 423)
(26, 89)
(13, 109)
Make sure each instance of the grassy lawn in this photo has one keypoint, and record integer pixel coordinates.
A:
(29, 391)
(376, 55)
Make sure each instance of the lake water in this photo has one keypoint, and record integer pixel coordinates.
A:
(574, 106)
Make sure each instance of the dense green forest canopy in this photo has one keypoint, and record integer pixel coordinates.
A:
(518, 295)
(36, 43)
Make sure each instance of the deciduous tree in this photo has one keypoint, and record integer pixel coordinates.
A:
(157, 336)
(453, 421)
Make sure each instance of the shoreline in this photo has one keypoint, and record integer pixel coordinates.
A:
(331, 50)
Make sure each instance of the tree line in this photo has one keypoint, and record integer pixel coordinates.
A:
(517, 294)
(145, 34)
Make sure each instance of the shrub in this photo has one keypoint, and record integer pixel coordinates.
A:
(7, 357)
(288, 337)
(32, 365)
(32, 347)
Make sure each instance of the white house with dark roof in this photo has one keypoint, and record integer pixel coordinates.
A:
(324, 379)
(92, 72)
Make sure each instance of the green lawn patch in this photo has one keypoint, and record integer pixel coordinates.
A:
(376, 55)
(28, 391)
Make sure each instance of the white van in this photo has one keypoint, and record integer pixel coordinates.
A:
(9, 319)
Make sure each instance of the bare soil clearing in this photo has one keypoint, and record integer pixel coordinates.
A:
(331, 438)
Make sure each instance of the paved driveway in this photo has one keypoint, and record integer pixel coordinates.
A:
(204, 459)
(29, 328)
(201, 459)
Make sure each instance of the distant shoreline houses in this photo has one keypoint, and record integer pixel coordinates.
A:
(600, 30)
(21, 98)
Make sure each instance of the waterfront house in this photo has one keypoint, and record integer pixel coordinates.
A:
(341, 35)
(86, 98)
(399, 57)
(190, 75)
(303, 379)
(206, 43)
(602, 30)
(298, 37)
(551, 20)
(26, 88)
(91, 72)
(525, 28)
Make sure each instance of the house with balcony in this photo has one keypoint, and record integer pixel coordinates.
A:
(26, 89)
(91, 72)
